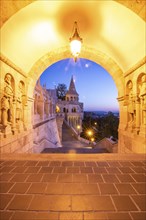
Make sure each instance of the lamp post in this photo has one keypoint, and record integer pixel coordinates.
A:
(75, 42)
(78, 128)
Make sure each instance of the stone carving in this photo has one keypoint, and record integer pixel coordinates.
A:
(142, 96)
(19, 104)
(131, 104)
(7, 101)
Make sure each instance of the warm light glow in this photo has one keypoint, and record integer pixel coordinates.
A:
(43, 32)
(57, 109)
(75, 47)
(78, 127)
(92, 139)
(89, 132)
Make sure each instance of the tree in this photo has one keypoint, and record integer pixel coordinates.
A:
(61, 91)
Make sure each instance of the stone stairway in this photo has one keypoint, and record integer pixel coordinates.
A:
(70, 144)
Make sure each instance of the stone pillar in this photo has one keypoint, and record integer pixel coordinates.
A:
(14, 116)
(137, 125)
(59, 120)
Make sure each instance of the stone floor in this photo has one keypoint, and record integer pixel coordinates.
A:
(72, 189)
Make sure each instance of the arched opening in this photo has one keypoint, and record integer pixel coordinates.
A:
(90, 83)
(103, 49)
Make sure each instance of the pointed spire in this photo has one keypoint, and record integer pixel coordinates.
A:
(72, 88)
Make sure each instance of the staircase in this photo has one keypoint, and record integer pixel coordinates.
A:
(70, 144)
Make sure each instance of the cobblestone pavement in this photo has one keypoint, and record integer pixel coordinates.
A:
(72, 190)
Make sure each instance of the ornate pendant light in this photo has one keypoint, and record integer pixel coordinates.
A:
(75, 42)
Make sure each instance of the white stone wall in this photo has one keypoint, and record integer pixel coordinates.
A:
(46, 136)
(132, 128)
(22, 131)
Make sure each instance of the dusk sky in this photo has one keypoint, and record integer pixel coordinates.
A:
(94, 84)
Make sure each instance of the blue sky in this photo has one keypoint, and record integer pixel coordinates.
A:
(94, 84)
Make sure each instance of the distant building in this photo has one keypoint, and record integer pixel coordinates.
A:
(72, 108)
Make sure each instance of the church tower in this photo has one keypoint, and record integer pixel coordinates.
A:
(72, 108)
(72, 94)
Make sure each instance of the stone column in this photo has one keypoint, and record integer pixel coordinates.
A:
(137, 125)
(14, 116)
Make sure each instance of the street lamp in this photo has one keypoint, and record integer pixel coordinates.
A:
(89, 132)
(78, 128)
(75, 42)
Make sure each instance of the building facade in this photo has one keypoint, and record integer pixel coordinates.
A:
(71, 108)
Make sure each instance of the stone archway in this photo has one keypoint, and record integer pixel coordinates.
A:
(88, 53)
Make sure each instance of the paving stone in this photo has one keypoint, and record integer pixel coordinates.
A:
(55, 163)
(113, 170)
(92, 203)
(126, 170)
(73, 170)
(5, 215)
(137, 163)
(31, 163)
(125, 178)
(95, 178)
(71, 216)
(110, 178)
(54, 188)
(24, 215)
(34, 177)
(138, 169)
(20, 188)
(8, 163)
(139, 177)
(20, 202)
(86, 169)
(47, 177)
(124, 203)
(138, 215)
(89, 188)
(59, 170)
(125, 163)
(19, 177)
(67, 163)
(4, 200)
(99, 170)
(43, 163)
(102, 164)
(46, 170)
(95, 216)
(64, 178)
(47, 216)
(51, 203)
(37, 188)
(5, 187)
(90, 164)
(6, 176)
(79, 163)
(72, 188)
(107, 188)
(125, 188)
(32, 169)
(140, 187)
(140, 201)
(80, 178)
(114, 164)
(119, 216)
(19, 169)
(6, 169)
(60, 190)
(19, 163)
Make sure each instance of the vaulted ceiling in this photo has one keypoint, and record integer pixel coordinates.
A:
(30, 29)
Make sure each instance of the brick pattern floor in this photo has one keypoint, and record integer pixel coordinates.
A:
(72, 190)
